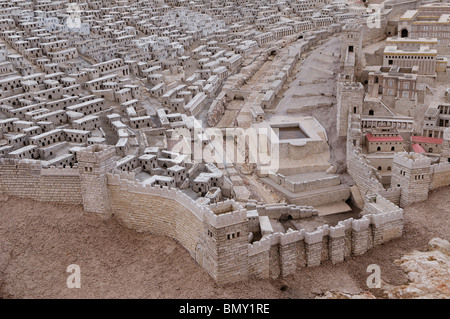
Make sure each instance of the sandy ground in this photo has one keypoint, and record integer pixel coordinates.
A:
(39, 241)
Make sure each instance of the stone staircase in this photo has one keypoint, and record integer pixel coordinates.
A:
(313, 189)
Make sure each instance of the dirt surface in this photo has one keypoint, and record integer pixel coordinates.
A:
(39, 241)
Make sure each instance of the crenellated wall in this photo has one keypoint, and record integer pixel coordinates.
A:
(217, 236)
(280, 254)
(391, 194)
(412, 176)
(440, 175)
(28, 179)
(162, 211)
(362, 172)
(275, 211)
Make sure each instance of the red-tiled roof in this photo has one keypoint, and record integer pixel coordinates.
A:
(372, 138)
(417, 148)
(423, 139)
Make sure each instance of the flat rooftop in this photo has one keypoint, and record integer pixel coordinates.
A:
(409, 14)
(290, 132)
(372, 138)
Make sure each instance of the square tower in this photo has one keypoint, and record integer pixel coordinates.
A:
(93, 164)
(351, 48)
(350, 96)
(226, 242)
(411, 172)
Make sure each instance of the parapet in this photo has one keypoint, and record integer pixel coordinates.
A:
(279, 209)
(117, 176)
(60, 171)
(439, 168)
(96, 153)
(351, 86)
(378, 204)
(361, 172)
(361, 224)
(258, 247)
(412, 160)
(317, 235)
(389, 192)
(384, 218)
(338, 230)
(352, 27)
(125, 183)
(292, 236)
(22, 163)
(236, 214)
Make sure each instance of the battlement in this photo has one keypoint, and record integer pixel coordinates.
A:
(317, 235)
(36, 165)
(226, 219)
(274, 238)
(292, 236)
(127, 185)
(411, 160)
(390, 191)
(347, 223)
(338, 230)
(115, 177)
(258, 247)
(22, 163)
(377, 204)
(348, 86)
(361, 172)
(173, 213)
(26, 178)
(387, 217)
(440, 175)
(439, 168)
(279, 209)
(361, 224)
(295, 249)
(352, 27)
(96, 153)
(60, 171)
(226, 206)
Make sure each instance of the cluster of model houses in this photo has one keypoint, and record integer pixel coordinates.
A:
(384, 117)
(73, 74)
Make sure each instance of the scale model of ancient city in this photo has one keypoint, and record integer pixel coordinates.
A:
(264, 137)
